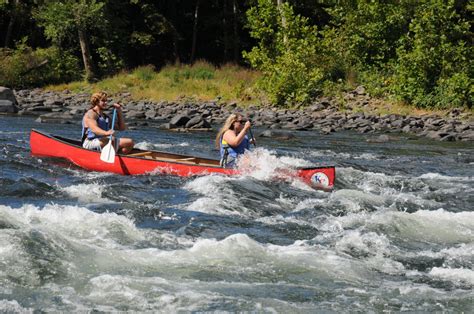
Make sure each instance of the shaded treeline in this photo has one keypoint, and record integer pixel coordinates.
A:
(137, 32)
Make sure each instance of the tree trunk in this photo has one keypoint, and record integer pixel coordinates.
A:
(86, 55)
(9, 32)
(235, 11)
(175, 46)
(283, 19)
(196, 16)
(226, 36)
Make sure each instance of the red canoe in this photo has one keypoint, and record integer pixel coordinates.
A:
(146, 162)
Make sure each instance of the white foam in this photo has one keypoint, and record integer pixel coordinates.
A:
(76, 223)
(219, 197)
(463, 252)
(13, 306)
(456, 275)
(355, 200)
(340, 155)
(392, 192)
(440, 177)
(263, 164)
(372, 247)
(369, 243)
(437, 226)
(86, 193)
(89, 175)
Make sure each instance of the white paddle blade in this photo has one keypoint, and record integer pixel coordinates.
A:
(108, 153)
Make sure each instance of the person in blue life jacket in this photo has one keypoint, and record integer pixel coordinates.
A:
(232, 140)
(97, 126)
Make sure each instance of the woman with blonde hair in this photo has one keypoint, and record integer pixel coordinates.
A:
(232, 140)
(97, 126)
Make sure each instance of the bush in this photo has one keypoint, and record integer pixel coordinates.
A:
(287, 53)
(200, 70)
(145, 73)
(435, 67)
(20, 68)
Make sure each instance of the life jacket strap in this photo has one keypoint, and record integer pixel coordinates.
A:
(223, 161)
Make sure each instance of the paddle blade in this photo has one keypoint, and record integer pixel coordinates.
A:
(108, 153)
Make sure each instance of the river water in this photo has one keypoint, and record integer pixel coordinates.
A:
(396, 234)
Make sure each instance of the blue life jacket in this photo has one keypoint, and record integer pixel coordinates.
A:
(229, 154)
(103, 121)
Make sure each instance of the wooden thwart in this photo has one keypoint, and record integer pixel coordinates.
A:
(140, 154)
(187, 160)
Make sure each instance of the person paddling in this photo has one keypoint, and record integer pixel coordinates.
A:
(97, 126)
(232, 140)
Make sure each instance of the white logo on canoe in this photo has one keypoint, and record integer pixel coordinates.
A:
(320, 178)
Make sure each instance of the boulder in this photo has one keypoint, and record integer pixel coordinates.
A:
(135, 114)
(179, 121)
(7, 94)
(7, 106)
(58, 117)
(197, 122)
(8, 103)
(281, 135)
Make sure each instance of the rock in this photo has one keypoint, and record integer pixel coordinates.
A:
(380, 139)
(7, 94)
(451, 137)
(57, 117)
(135, 114)
(406, 129)
(53, 102)
(327, 130)
(165, 126)
(179, 121)
(431, 134)
(7, 106)
(365, 129)
(360, 90)
(282, 135)
(150, 114)
(398, 124)
(39, 109)
(8, 102)
(194, 121)
(276, 126)
(467, 135)
(455, 112)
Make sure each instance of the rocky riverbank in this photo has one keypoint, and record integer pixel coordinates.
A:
(324, 115)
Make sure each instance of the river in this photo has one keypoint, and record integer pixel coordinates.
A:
(396, 234)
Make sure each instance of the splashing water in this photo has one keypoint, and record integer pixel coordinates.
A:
(396, 234)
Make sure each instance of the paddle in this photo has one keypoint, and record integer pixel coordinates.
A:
(108, 152)
(251, 137)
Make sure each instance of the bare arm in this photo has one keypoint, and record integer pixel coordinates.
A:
(120, 120)
(235, 140)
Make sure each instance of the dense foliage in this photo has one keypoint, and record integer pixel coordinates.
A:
(286, 53)
(417, 52)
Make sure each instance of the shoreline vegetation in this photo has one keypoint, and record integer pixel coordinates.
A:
(230, 84)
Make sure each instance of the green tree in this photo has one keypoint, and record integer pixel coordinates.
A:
(286, 53)
(434, 67)
(62, 19)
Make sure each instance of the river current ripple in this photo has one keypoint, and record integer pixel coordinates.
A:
(396, 234)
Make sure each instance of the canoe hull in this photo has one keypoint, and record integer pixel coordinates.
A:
(45, 145)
